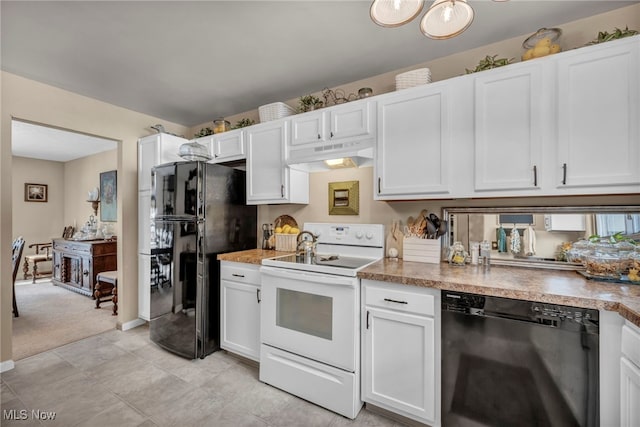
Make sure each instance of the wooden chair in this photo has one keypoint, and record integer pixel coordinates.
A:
(107, 286)
(43, 254)
(16, 253)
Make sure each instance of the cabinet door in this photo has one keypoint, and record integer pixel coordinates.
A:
(598, 98)
(240, 311)
(228, 146)
(351, 120)
(266, 177)
(412, 154)
(508, 128)
(154, 150)
(148, 157)
(629, 393)
(88, 278)
(308, 128)
(57, 265)
(169, 148)
(144, 222)
(144, 287)
(399, 363)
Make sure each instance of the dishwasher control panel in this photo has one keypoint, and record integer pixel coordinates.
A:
(545, 314)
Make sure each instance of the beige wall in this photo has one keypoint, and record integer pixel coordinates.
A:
(81, 176)
(36, 102)
(37, 222)
(67, 195)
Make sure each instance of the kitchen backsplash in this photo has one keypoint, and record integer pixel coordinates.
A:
(372, 211)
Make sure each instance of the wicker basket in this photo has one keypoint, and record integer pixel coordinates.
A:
(274, 111)
(286, 242)
(413, 78)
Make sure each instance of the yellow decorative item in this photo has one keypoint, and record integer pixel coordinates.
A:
(541, 43)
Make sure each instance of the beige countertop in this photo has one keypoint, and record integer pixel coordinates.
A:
(552, 286)
(250, 256)
(533, 284)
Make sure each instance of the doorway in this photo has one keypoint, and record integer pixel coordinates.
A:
(66, 167)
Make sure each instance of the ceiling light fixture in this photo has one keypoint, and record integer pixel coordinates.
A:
(443, 20)
(446, 19)
(393, 13)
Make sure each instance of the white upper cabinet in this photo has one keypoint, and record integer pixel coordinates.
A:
(308, 128)
(412, 153)
(509, 117)
(353, 120)
(269, 179)
(154, 150)
(228, 146)
(598, 142)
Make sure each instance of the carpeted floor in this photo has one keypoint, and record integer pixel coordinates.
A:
(51, 316)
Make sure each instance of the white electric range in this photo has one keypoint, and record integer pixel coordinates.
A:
(310, 322)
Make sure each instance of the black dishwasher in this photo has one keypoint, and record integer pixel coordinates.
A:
(508, 362)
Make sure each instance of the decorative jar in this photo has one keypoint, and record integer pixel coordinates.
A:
(221, 125)
(457, 254)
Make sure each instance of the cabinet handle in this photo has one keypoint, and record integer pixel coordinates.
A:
(535, 176)
(86, 272)
(367, 319)
(396, 301)
(237, 275)
(258, 295)
(564, 174)
(331, 134)
(282, 190)
(319, 137)
(379, 183)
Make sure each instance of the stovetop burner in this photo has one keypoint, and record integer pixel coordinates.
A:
(332, 260)
(342, 249)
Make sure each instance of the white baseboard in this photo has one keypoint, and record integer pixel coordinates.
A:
(131, 324)
(7, 365)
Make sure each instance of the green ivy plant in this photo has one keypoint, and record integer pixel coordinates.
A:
(604, 36)
(244, 123)
(309, 103)
(204, 132)
(490, 62)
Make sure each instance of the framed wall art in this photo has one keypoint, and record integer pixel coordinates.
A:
(36, 192)
(108, 196)
(344, 198)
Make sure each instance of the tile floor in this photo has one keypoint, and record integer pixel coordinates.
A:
(122, 379)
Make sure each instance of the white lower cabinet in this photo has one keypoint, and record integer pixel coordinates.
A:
(630, 376)
(240, 309)
(401, 349)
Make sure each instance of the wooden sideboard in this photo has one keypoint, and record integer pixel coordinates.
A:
(76, 263)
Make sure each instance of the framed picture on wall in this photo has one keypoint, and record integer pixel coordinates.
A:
(108, 196)
(36, 192)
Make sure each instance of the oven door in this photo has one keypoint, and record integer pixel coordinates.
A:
(311, 314)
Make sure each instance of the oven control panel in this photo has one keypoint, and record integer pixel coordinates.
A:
(347, 234)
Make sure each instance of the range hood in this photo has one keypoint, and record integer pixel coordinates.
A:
(324, 157)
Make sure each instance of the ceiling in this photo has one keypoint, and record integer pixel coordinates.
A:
(47, 143)
(189, 62)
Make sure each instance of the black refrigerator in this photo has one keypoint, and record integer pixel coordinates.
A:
(198, 210)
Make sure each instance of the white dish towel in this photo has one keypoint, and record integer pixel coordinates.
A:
(529, 238)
